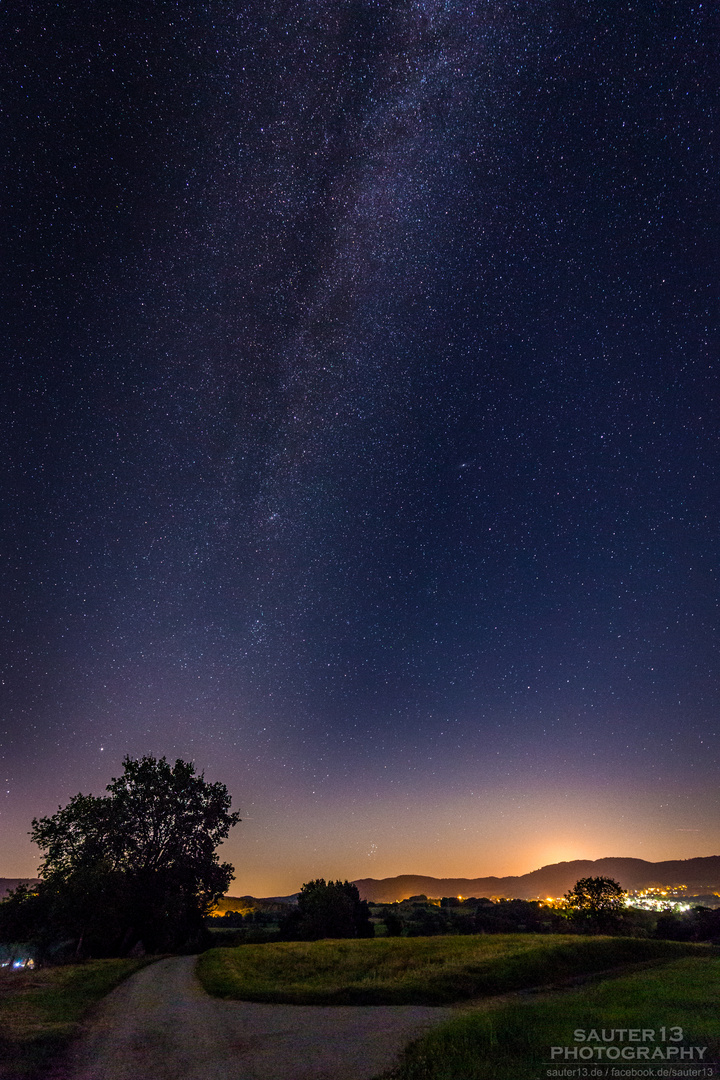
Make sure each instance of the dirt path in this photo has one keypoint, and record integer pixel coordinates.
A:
(161, 1025)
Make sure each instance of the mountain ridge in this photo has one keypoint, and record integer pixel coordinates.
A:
(555, 879)
(701, 874)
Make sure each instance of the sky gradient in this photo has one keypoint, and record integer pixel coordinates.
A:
(360, 410)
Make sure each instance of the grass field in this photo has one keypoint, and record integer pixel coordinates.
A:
(41, 1011)
(427, 971)
(514, 1042)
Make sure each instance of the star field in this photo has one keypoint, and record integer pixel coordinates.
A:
(360, 411)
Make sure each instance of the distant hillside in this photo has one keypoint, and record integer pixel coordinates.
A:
(244, 904)
(700, 875)
(9, 883)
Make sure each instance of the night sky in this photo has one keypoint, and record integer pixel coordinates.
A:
(360, 424)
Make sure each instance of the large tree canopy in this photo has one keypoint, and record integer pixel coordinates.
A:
(330, 909)
(596, 900)
(137, 864)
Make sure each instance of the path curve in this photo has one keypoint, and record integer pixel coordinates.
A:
(161, 1025)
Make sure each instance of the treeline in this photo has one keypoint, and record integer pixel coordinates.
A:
(334, 909)
(699, 924)
(419, 916)
(331, 909)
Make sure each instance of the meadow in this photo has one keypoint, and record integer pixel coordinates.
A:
(504, 1028)
(514, 1041)
(41, 1011)
(418, 971)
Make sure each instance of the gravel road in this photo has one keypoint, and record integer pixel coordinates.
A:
(161, 1025)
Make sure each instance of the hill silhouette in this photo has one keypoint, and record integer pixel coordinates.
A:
(700, 875)
(7, 884)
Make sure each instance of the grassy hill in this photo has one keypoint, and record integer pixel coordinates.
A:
(527, 1039)
(418, 971)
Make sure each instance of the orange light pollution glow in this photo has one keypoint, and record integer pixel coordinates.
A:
(289, 835)
(465, 824)
(453, 837)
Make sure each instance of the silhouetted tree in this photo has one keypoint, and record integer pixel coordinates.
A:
(596, 902)
(331, 909)
(138, 864)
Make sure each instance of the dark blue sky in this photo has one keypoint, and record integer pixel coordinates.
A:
(360, 407)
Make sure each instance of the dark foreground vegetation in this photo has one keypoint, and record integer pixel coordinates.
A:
(418, 971)
(324, 909)
(513, 1042)
(420, 917)
(41, 1011)
(594, 905)
(133, 870)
